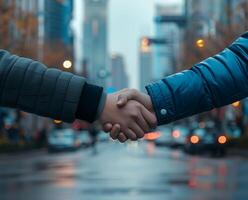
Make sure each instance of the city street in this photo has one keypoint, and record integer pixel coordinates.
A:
(124, 172)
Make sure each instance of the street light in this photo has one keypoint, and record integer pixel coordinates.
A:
(67, 64)
(200, 43)
(57, 121)
(236, 104)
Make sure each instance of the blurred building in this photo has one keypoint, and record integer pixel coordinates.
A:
(145, 63)
(166, 55)
(95, 40)
(119, 78)
(204, 17)
(58, 16)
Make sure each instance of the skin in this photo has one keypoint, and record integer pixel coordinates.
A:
(123, 98)
(131, 118)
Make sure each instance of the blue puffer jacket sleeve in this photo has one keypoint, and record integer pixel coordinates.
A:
(212, 83)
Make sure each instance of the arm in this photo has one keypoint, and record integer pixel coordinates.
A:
(212, 83)
(32, 87)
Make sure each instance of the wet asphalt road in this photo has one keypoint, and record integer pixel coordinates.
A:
(122, 172)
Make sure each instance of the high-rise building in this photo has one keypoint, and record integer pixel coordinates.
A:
(95, 40)
(165, 56)
(145, 63)
(58, 15)
(119, 78)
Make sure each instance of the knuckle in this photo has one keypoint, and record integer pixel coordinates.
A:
(134, 91)
(134, 114)
(137, 105)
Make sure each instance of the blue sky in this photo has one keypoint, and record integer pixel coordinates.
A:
(128, 21)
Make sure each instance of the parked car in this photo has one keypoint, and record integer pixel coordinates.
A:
(83, 138)
(179, 134)
(202, 140)
(62, 140)
(233, 131)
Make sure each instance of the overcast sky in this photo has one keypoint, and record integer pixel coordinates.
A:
(128, 21)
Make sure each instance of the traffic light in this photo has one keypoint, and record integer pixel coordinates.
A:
(145, 44)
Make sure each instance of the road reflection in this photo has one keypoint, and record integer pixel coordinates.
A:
(65, 176)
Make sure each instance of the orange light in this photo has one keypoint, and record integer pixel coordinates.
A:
(57, 121)
(200, 43)
(145, 45)
(236, 104)
(145, 42)
(222, 139)
(194, 139)
(176, 134)
(152, 136)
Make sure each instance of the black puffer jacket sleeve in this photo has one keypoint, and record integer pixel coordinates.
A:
(32, 87)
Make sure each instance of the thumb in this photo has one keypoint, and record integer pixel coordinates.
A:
(122, 100)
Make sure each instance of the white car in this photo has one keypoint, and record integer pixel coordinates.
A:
(62, 139)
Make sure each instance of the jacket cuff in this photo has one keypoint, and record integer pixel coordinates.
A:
(101, 105)
(91, 103)
(162, 101)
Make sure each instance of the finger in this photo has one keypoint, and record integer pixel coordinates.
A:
(115, 131)
(122, 138)
(126, 95)
(149, 117)
(143, 123)
(130, 134)
(122, 100)
(132, 94)
(139, 133)
(107, 127)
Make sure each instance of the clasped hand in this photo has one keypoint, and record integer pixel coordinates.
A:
(128, 114)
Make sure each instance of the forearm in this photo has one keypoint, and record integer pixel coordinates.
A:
(214, 82)
(32, 87)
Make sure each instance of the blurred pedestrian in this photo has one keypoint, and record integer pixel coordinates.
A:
(94, 131)
(41, 138)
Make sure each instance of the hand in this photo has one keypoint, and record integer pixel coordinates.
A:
(123, 97)
(133, 119)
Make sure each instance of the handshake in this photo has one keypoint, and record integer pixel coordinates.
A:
(128, 114)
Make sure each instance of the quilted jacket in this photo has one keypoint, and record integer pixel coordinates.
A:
(31, 86)
(212, 83)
